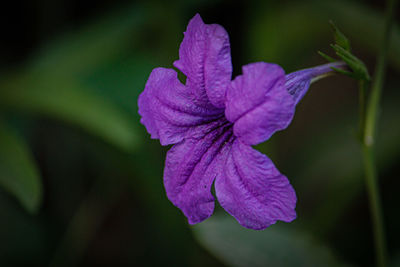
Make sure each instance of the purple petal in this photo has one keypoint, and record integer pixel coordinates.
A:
(252, 190)
(298, 82)
(258, 103)
(204, 57)
(190, 169)
(168, 111)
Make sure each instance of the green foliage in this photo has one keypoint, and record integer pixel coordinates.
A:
(359, 70)
(340, 39)
(52, 85)
(278, 245)
(100, 41)
(18, 172)
(69, 101)
(343, 50)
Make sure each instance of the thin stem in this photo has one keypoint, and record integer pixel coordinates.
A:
(377, 83)
(375, 205)
(371, 117)
(362, 91)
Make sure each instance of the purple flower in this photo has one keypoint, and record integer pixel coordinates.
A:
(213, 122)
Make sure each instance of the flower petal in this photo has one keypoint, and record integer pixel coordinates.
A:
(298, 82)
(252, 190)
(258, 103)
(204, 57)
(190, 169)
(167, 109)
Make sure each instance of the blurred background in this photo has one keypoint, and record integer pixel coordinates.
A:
(81, 180)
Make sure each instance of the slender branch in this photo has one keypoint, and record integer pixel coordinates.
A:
(379, 76)
(371, 117)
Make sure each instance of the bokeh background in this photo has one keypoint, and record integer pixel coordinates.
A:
(81, 180)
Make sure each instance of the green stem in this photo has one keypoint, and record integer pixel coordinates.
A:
(362, 91)
(379, 76)
(375, 205)
(370, 121)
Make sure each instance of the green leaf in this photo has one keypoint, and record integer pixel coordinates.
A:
(278, 245)
(53, 84)
(340, 38)
(18, 172)
(69, 101)
(343, 50)
(344, 72)
(99, 41)
(358, 67)
(328, 58)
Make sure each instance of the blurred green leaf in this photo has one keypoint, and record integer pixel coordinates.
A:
(99, 41)
(69, 101)
(278, 245)
(122, 80)
(18, 172)
(53, 83)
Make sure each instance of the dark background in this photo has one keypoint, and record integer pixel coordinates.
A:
(81, 180)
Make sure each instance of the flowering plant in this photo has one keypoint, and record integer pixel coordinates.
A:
(212, 122)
